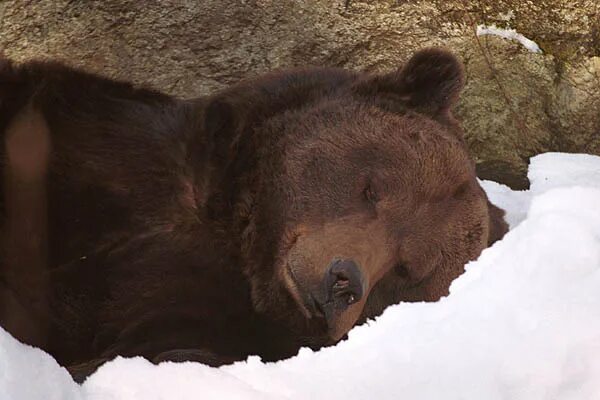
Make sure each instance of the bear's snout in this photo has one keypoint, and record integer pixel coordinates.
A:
(343, 285)
(344, 282)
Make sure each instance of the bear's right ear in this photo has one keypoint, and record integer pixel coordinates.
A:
(15, 91)
(218, 117)
(430, 82)
(7, 80)
(220, 127)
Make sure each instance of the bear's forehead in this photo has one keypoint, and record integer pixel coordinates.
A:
(345, 125)
(412, 148)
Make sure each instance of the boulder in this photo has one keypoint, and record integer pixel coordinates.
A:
(516, 103)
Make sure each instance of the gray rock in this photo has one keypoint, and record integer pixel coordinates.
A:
(516, 103)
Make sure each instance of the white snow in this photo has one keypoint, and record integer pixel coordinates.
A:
(510, 34)
(507, 16)
(523, 322)
(29, 373)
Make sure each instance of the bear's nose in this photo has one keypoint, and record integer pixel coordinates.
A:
(344, 283)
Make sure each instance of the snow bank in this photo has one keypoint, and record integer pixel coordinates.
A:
(523, 322)
(510, 34)
(29, 373)
(546, 171)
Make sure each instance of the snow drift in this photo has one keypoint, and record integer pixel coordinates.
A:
(523, 322)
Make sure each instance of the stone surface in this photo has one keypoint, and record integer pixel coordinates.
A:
(516, 103)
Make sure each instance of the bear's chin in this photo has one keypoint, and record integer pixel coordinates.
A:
(275, 302)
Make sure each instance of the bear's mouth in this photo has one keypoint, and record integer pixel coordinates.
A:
(306, 302)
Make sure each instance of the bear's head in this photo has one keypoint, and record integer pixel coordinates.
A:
(348, 192)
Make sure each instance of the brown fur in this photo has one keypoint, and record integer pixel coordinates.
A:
(203, 229)
(24, 296)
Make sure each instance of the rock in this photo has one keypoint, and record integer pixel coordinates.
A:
(516, 103)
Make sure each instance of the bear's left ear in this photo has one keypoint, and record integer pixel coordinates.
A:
(431, 81)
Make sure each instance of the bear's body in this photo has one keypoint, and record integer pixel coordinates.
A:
(213, 229)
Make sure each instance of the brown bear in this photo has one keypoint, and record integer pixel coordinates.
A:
(275, 214)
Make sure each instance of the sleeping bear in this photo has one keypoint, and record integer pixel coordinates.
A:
(275, 214)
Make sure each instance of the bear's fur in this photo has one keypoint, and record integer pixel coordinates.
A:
(207, 229)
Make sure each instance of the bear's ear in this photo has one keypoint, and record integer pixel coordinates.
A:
(431, 81)
(218, 117)
(220, 127)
